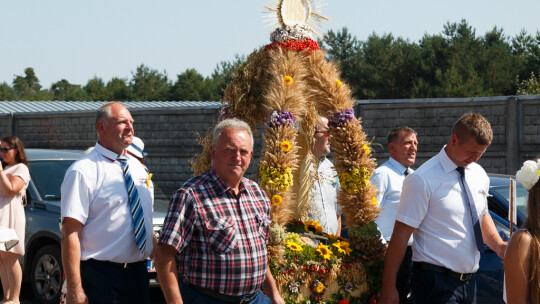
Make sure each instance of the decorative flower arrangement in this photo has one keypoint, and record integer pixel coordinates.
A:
(324, 251)
(341, 118)
(318, 289)
(343, 247)
(529, 174)
(294, 246)
(295, 32)
(277, 199)
(288, 80)
(278, 179)
(307, 45)
(313, 226)
(280, 118)
(354, 180)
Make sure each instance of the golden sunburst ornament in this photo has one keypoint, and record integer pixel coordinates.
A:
(290, 13)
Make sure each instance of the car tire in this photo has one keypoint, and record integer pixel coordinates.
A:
(46, 274)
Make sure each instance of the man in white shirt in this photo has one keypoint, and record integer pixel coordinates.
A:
(323, 206)
(444, 203)
(388, 178)
(104, 256)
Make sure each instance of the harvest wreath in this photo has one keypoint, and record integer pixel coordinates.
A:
(286, 85)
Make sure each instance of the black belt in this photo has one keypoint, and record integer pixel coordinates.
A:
(221, 297)
(427, 266)
(119, 265)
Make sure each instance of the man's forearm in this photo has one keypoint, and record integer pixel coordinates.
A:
(71, 258)
(167, 273)
(491, 236)
(270, 288)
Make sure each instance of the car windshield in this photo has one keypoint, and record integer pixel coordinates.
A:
(48, 175)
(521, 197)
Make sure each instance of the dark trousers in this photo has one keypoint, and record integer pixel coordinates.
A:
(429, 286)
(104, 282)
(403, 284)
(192, 296)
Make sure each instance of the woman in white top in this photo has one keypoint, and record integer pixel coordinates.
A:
(14, 178)
(522, 259)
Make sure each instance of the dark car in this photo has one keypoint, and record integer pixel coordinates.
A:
(490, 275)
(42, 264)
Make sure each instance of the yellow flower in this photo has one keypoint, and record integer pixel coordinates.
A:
(324, 251)
(288, 80)
(343, 247)
(374, 200)
(313, 226)
(286, 146)
(338, 82)
(366, 149)
(277, 200)
(148, 180)
(320, 288)
(294, 246)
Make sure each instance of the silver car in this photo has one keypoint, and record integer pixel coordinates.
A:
(42, 264)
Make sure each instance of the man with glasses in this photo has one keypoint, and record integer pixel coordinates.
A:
(322, 205)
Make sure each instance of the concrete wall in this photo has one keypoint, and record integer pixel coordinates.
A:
(170, 134)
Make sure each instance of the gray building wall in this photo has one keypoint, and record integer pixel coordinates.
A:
(170, 134)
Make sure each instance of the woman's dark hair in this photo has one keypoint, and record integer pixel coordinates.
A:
(15, 142)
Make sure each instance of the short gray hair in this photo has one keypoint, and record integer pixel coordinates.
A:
(104, 112)
(231, 123)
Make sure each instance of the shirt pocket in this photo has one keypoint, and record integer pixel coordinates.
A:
(222, 236)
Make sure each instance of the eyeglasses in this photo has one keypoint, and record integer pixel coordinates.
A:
(5, 150)
(324, 133)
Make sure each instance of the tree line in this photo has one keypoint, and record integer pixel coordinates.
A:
(454, 63)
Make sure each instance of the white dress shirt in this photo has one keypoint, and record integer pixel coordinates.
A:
(432, 201)
(94, 193)
(323, 207)
(388, 178)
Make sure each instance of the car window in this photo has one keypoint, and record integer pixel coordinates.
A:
(48, 175)
(521, 196)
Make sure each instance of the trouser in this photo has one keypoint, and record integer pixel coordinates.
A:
(107, 282)
(403, 284)
(191, 296)
(428, 286)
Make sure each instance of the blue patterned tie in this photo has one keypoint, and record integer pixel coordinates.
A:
(135, 206)
(472, 209)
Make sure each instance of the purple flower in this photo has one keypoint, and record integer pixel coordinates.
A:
(263, 219)
(224, 113)
(341, 118)
(280, 118)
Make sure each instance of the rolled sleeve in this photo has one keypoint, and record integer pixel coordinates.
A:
(75, 202)
(414, 201)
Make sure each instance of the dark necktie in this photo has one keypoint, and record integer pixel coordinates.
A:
(135, 206)
(406, 172)
(472, 209)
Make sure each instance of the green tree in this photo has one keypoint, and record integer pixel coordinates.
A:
(149, 85)
(118, 90)
(6, 92)
(223, 74)
(498, 66)
(190, 86)
(27, 87)
(65, 91)
(96, 91)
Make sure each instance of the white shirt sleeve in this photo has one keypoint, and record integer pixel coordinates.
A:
(414, 201)
(75, 201)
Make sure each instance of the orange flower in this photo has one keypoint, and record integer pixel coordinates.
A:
(277, 200)
(286, 146)
(343, 301)
(338, 82)
(288, 80)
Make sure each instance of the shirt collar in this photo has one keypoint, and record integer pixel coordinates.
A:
(220, 185)
(447, 164)
(398, 166)
(110, 155)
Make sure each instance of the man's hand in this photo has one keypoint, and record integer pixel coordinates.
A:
(390, 296)
(76, 296)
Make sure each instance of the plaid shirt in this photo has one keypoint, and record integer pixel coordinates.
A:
(220, 237)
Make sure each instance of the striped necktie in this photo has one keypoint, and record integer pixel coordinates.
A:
(474, 215)
(135, 205)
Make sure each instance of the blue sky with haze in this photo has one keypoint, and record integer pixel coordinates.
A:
(77, 40)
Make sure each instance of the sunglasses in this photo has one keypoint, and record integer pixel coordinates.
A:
(5, 150)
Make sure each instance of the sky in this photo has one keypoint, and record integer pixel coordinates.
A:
(77, 40)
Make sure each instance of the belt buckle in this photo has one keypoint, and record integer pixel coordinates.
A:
(125, 265)
(464, 277)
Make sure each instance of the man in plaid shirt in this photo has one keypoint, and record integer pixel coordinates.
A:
(218, 224)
